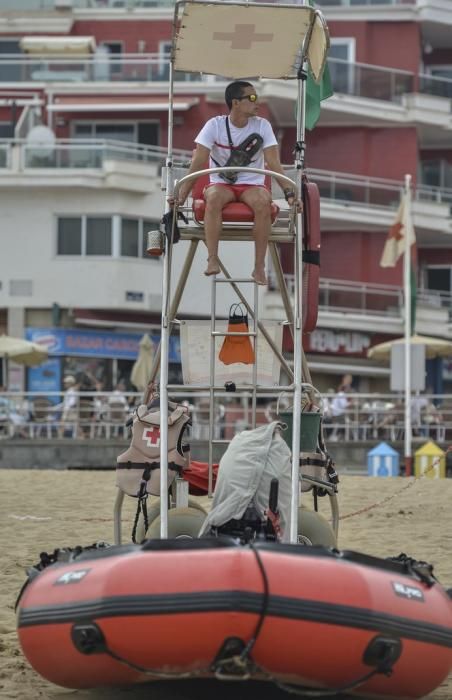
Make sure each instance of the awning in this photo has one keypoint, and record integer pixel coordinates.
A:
(119, 103)
(239, 41)
(79, 45)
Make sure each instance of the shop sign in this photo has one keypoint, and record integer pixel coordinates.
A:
(91, 343)
(339, 343)
(46, 378)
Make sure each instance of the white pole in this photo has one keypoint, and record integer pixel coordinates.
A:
(407, 295)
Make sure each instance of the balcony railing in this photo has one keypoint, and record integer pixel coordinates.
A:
(364, 298)
(99, 67)
(78, 153)
(371, 192)
(362, 80)
(355, 79)
(354, 297)
(91, 153)
(30, 5)
(362, 3)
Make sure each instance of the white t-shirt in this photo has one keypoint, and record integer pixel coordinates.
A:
(214, 136)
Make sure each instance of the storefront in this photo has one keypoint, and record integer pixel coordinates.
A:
(103, 356)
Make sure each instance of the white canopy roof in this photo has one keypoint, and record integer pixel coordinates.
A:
(80, 45)
(237, 40)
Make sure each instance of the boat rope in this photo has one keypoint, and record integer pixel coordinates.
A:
(386, 499)
(311, 693)
(241, 665)
(142, 504)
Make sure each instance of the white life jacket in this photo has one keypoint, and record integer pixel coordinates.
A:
(138, 468)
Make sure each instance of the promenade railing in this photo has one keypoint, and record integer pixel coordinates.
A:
(365, 417)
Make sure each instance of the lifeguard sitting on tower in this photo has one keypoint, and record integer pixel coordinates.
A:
(241, 139)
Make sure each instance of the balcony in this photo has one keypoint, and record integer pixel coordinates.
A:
(98, 67)
(363, 3)
(91, 163)
(36, 5)
(362, 306)
(353, 201)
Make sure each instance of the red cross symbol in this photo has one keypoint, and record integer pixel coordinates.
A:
(151, 436)
(242, 37)
(396, 231)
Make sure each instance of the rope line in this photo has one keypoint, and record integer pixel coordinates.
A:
(435, 462)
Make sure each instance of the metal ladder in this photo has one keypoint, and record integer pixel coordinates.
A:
(216, 334)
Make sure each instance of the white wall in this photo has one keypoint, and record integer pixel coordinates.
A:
(28, 252)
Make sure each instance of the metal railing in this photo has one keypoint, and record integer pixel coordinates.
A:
(363, 3)
(30, 5)
(83, 153)
(91, 153)
(368, 298)
(98, 67)
(374, 82)
(360, 190)
(355, 297)
(355, 79)
(361, 417)
(5, 155)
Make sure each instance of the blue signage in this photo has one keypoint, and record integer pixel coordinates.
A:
(46, 377)
(80, 343)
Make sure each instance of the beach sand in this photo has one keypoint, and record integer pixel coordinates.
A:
(69, 508)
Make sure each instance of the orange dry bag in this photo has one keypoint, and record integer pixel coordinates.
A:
(237, 348)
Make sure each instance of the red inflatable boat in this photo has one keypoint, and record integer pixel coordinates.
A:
(297, 616)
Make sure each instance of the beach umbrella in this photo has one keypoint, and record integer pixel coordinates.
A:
(141, 370)
(24, 352)
(434, 347)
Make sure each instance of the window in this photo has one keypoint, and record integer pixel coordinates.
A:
(164, 57)
(439, 278)
(98, 236)
(129, 238)
(114, 48)
(69, 236)
(342, 68)
(94, 235)
(106, 130)
(436, 173)
(9, 72)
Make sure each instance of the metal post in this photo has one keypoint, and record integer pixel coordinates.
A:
(407, 294)
(298, 310)
(166, 327)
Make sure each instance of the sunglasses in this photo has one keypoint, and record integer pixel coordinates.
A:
(251, 98)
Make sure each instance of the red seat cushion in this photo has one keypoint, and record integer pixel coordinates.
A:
(233, 212)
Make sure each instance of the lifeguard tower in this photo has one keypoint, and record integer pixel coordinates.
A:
(238, 40)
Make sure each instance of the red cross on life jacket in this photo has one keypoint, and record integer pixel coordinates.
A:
(152, 436)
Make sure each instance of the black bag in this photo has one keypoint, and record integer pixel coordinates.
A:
(166, 225)
(241, 155)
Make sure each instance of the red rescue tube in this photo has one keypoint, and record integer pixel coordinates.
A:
(170, 606)
(311, 255)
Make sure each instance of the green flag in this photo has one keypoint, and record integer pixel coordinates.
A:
(314, 95)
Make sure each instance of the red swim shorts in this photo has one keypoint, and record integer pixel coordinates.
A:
(237, 190)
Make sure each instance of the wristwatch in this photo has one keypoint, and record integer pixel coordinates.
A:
(288, 193)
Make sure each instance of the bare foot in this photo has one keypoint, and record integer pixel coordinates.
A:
(213, 266)
(259, 277)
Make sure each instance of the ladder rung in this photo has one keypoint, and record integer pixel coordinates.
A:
(227, 333)
(219, 280)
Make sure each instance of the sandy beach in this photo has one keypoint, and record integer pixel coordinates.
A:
(41, 510)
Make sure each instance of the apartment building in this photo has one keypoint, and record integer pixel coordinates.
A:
(83, 129)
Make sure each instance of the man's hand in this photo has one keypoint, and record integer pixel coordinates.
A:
(172, 201)
(289, 195)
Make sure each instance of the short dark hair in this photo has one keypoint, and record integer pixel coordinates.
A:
(234, 91)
